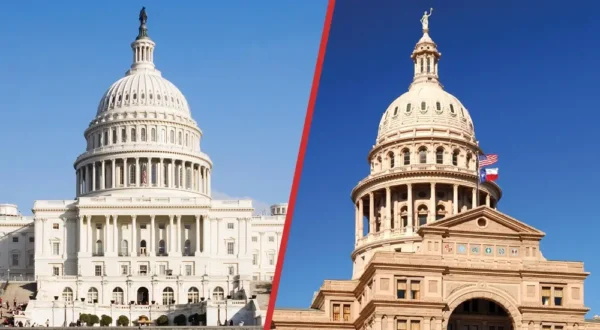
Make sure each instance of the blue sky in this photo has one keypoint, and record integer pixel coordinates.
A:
(246, 69)
(528, 76)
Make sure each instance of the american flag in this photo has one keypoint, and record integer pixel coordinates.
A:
(487, 160)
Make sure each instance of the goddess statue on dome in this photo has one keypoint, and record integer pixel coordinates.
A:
(425, 19)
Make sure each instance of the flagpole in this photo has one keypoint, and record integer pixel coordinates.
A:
(478, 180)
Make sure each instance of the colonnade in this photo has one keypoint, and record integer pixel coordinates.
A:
(143, 172)
(393, 207)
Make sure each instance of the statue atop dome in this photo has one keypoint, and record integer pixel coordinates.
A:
(143, 30)
(425, 20)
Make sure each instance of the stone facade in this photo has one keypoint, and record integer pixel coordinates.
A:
(432, 251)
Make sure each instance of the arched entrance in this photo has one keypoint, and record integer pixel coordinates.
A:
(480, 314)
(142, 296)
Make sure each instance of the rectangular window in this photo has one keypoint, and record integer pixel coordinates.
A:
(271, 259)
(188, 270)
(401, 289)
(55, 248)
(161, 226)
(415, 289)
(55, 226)
(254, 239)
(416, 325)
(31, 239)
(346, 313)
(15, 239)
(255, 259)
(31, 259)
(15, 259)
(98, 270)
(188, 227)
(401, 325)
(162, 269)
(271, 239)
(98, 226)
(230, 248)
(336, 312)
(143, 269)
(546, 296)
(231, 270)
(123, 135)
(124, 270)
(255, 277)
(230, 225)
(55, 271)
(558, 296)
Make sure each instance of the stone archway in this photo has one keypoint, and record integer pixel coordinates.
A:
(482, 291)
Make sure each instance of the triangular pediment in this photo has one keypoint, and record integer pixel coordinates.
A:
(483, 220)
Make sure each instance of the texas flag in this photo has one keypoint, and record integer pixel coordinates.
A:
(488, 174)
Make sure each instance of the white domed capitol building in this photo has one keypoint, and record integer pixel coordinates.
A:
(431, 250)
(143, 237)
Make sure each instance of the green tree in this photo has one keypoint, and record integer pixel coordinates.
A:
(162, 321)
(180, 319)
(123, 321)
(105, 321)
(84, 318)
(93, 320)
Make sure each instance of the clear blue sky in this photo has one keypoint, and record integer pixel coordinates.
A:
(527, 72)
(246, 69)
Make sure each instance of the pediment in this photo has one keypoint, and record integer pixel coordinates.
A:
(483, 220)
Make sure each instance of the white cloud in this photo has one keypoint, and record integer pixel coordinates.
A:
(259, 206)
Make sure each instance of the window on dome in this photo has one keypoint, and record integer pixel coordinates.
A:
(153, 134)
(423, 155)
(165, 175)
(105, 138)
(408, 107)
(114, 136)
(120, 98)
(134, 96)
(121, 176)
(188, 178)
(469, 156)
(180, 178)
(150, 96)
(451, 108)
(132, 174)
(423, 105)
(142, 96)
(438, 106)
(154, 166)
(158, 96)
(127, 97)
(133, 135)
(98, 140)
(421, 64)
(179, 139)
(462, 112)
(395, 111)
(391, 158)
(439, 155)
(455, 157)
(187, 139)
(406, 156)
(428, 65)
(123, 135)
(143, 134)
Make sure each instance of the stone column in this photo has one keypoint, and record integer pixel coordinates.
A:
(388, 208)
(125, 173)
(77, 183)
(152, 236)
(137, 172)
(356, 223)
(171, 232)
(474, 198)
(133, 235)
(88, 242)
(487, 200)
(66, 236)
(209, 186)
(93, 177)
(103, 181)
(113, 174)
(178, 249)
(410, 216)
(361, 215)
(455, 199)
(115, 235)
(160, 173)
(205, 233)
(81, 234)
(432, 203)
(184, 175)
(170, 173)
(106, 234)
(371, 213)
(197, 235)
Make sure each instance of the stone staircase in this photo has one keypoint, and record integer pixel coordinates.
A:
(19, 290)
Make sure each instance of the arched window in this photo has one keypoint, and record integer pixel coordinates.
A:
(143, 247)
(193, 295)
(168, 296)
(439, 155)
(218, 294)
(124, 248)
(187, 247)
(105, 138)
(114, 136)
(455, 157)
(133, 135)
(67, 294)
(121, 176)
(99, 248)
(123, 135)
(404, 216)
(161, 247)
(428, 65)
(92, 295)
(469, 156)
(408, 107)
(440, 212)
(153, 178)
(172, 137)
(143, 133)
(165, 174)
(132, 174)
(422, 215)
(423, 105)
(423, 155)
(187, 139)
(391, 158)
(406, 156)
(153, 134)
(179, 139)
(118, 296)
(438, 106)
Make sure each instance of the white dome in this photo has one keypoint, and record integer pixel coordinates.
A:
(140, 89)
(425, 105)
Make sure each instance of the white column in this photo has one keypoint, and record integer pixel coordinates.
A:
(133, 235)
(487, 200)
(106, 234)
(474, 198)
(80, 228)
(371, 213)
(66, 236)
(137, 171)
(103, 175)
(178, 248)
(361, 230)
(205, 233)
(409, 227)
(208, 187)
(184, 175)
(170, 173)
(455, 200)
(159, 174)
(93, 177)
(171, 250)
(113, 173)
(152, 235)
(388, 208)
(197, 235)
(88, 182)
(125, 173)
(115, 238)
(89, 234)
(432, 204)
